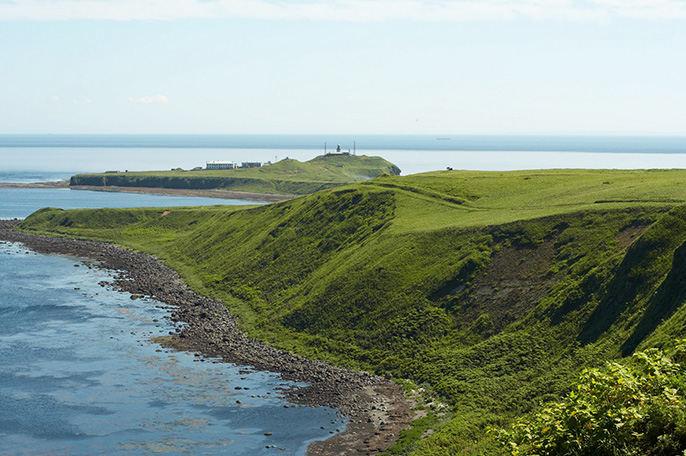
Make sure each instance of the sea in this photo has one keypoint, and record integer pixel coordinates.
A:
(79, 372)
(69, 154)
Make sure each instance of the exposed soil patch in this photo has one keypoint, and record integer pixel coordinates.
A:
(628, 235)
(510, 286)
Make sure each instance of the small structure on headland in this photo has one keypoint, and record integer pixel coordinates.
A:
(220, 164)
(338, 150)
(225, 164)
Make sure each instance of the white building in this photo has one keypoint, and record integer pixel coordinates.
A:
(220, 164)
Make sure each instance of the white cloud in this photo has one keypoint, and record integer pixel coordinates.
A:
(153, 99)
(341, 10)
(644, 9)
(81, 100)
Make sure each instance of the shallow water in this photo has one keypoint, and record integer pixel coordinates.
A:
(79, 376)
(33, 176)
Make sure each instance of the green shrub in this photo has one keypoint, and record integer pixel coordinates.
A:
(635, 408)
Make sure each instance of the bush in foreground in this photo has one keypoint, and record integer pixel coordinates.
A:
(635, 408)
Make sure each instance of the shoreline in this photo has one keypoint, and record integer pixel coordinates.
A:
(47, 184)
(206, 193)
(376, 408)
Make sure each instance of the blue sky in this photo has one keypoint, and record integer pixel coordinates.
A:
(343, 66)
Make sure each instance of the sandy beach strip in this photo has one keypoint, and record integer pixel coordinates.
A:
(51, 184)
(377, 409)
(207, 193)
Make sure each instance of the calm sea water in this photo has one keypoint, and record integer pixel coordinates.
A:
(412, 153)
(32, 176)
(79, 375)
(19, 203)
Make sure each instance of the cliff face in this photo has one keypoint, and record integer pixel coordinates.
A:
(494, 289)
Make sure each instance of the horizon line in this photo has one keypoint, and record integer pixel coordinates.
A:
(354, 11)
(442, 136)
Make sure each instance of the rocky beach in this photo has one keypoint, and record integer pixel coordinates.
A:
(51, 184)
(376, 409)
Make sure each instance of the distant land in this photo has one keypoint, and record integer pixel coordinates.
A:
(285, 177)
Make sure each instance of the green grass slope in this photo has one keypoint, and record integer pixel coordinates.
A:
(492, 289)
(284, 177)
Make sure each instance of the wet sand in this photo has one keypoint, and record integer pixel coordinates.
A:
(54, 184)
(211, 193)
(376, 408)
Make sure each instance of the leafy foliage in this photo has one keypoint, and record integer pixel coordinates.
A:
(634, 408)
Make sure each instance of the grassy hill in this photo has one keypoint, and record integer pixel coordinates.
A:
(284, 177)
(492, 289)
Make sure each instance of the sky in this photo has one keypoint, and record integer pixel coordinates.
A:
(343, 66)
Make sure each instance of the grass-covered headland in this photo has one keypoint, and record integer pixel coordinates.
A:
(494, 290)
(286, 177)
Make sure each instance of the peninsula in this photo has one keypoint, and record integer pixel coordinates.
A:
(285, 177)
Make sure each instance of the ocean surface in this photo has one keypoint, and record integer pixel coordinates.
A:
(70, 154)
(20, 202)
(80, 376)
